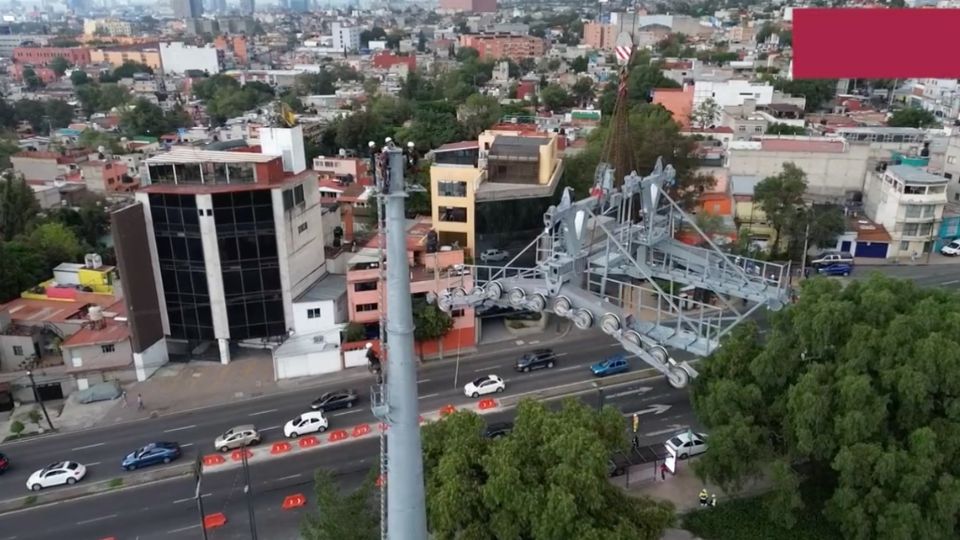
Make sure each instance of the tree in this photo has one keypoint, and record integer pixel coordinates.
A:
(79, 78)
(816, 225)
(482, 489)
(144, 118)
(816, 91)
(706, 114)
(479, 113)
(429, 323)
(342, 516)
(31, 80)
(59, 65)
(781, 197)
(778, 128)
(18, 206)
(582, 91)
(579, 64)
(555, 97)
(8, 148)
(129, 68)
(55, 242)
(850, 390)
(93, 139)
(912, 117)
(374, 34)
(321, 83)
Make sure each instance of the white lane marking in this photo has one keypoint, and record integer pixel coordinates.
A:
(186, 445)
(674, 428)
(559, 354)
(182, 529)
(534, 342)
(178, 501)
(487, 369)
(258, 413)
(289, 477)
(91, 464)
(569, 368)
(344, 413)
(951, 282)
(635, 392)
(421, 381)
(269, 428)
(94, 520)
(435, 394)
(181, 428)
(88, 446)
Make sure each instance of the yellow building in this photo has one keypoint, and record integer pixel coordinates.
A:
(117, 57)
(506, 166)
(109, 27)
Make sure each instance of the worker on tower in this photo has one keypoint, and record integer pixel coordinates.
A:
(704, 496)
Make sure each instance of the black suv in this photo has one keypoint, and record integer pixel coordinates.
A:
(541, 358)
(497, 430)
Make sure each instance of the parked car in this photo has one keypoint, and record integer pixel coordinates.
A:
(338, 399)
(836, 269)
(538, 359)
(488, 384)
(458, 270)
(308, 422)
(151, 454)
(237, 437)
(4, 463)
(952, 249)
(832, 257)
(687, 444)
(611, 366)
(56, 474)
(498, 429)
(494, 255)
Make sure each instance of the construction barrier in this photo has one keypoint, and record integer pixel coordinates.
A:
(213, 459)
(293, 501)
(384, 426)
(447, 410)
(212, 521)
(361, 430)
(338, 435)
(485, 404)
(237, 455)
(381, 479)
(280, 447)
(307, 442)
(421, 419)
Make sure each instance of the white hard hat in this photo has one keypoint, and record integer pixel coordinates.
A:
(369, 345)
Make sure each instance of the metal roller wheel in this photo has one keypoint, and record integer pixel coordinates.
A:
(583, 319)
(517, 297)
(610, 323)
(678, 377)
(537, 302)
(562, 306)
(493, 290)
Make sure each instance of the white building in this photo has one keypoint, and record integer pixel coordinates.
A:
(313, 347)
(731, 93)
(178, 58)
(908, 202)
(346, 38)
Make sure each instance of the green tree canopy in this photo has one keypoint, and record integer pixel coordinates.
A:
(579, 64)
(479, 112)
(852, 389)
(59, 65)
(55, 242)
(31, 80)
(129, 68)
(785, 129)
(21, 267)
(912, 117)
(144, 118)
(555, 97)
(555, 462)
(429, 322)
(43, 115)
(781, 198)
(18, 205)
(339, 515)
(817, 92)
(79, 78)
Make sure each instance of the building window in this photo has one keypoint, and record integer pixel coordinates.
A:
(302, 228)
(910, 229)
(364, 286)
(456, 313)
(452, 189)
(904, 246)
(313, 313)
(108, 348)
(758, 129)
(951, 159)
(17, 350)
(366, 307)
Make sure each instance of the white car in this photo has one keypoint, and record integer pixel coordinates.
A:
(488, 384)
(308, 422)
(952, 249)
(56, 474)
(494, 255)
(687, 444)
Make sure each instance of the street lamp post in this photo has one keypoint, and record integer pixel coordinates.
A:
(599, 396)
(36, 396)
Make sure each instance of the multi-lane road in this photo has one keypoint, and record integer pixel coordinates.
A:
(166, 509)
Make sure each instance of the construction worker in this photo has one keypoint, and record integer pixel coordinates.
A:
(704, 496)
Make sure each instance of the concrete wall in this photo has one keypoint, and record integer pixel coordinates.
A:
(37, 169)
(828, 174)
(95, 357)
(214, 270)
(144, 199)
(151, 359)
(9, 361)
(305, 325)
(178, 58)
(301, 254)
(308, 365)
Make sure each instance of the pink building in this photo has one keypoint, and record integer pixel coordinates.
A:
(516, 48)
(471, 6)
(339, 168)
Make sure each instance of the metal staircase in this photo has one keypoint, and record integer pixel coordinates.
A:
(601, 261)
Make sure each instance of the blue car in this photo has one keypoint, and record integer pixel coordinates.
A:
(836, 269)
(610, 366)
(151, 454)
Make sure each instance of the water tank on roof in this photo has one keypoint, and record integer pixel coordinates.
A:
(95, 314)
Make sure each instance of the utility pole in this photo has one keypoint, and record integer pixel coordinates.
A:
(248, 490)
(406, 506)
(36, 396)
(198, 475)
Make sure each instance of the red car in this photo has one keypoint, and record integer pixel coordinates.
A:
(4, 463)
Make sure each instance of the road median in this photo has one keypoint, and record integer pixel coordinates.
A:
(121, 481)
(581, 387)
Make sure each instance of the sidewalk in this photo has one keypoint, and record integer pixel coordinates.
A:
(680, 489)
(178, 387)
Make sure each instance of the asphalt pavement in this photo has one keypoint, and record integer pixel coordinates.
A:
(166, 510)
(101, 449)
(945, 276)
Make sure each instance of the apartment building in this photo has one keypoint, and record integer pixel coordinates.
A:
(109, 27)
(909, 203)
(951, 169)
(495, 47)
(117, 57)
(346, 37)
(42, 56)
(494, 201)
(469, 6)
(178, 58)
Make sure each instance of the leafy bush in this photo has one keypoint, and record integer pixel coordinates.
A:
(17, 427)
